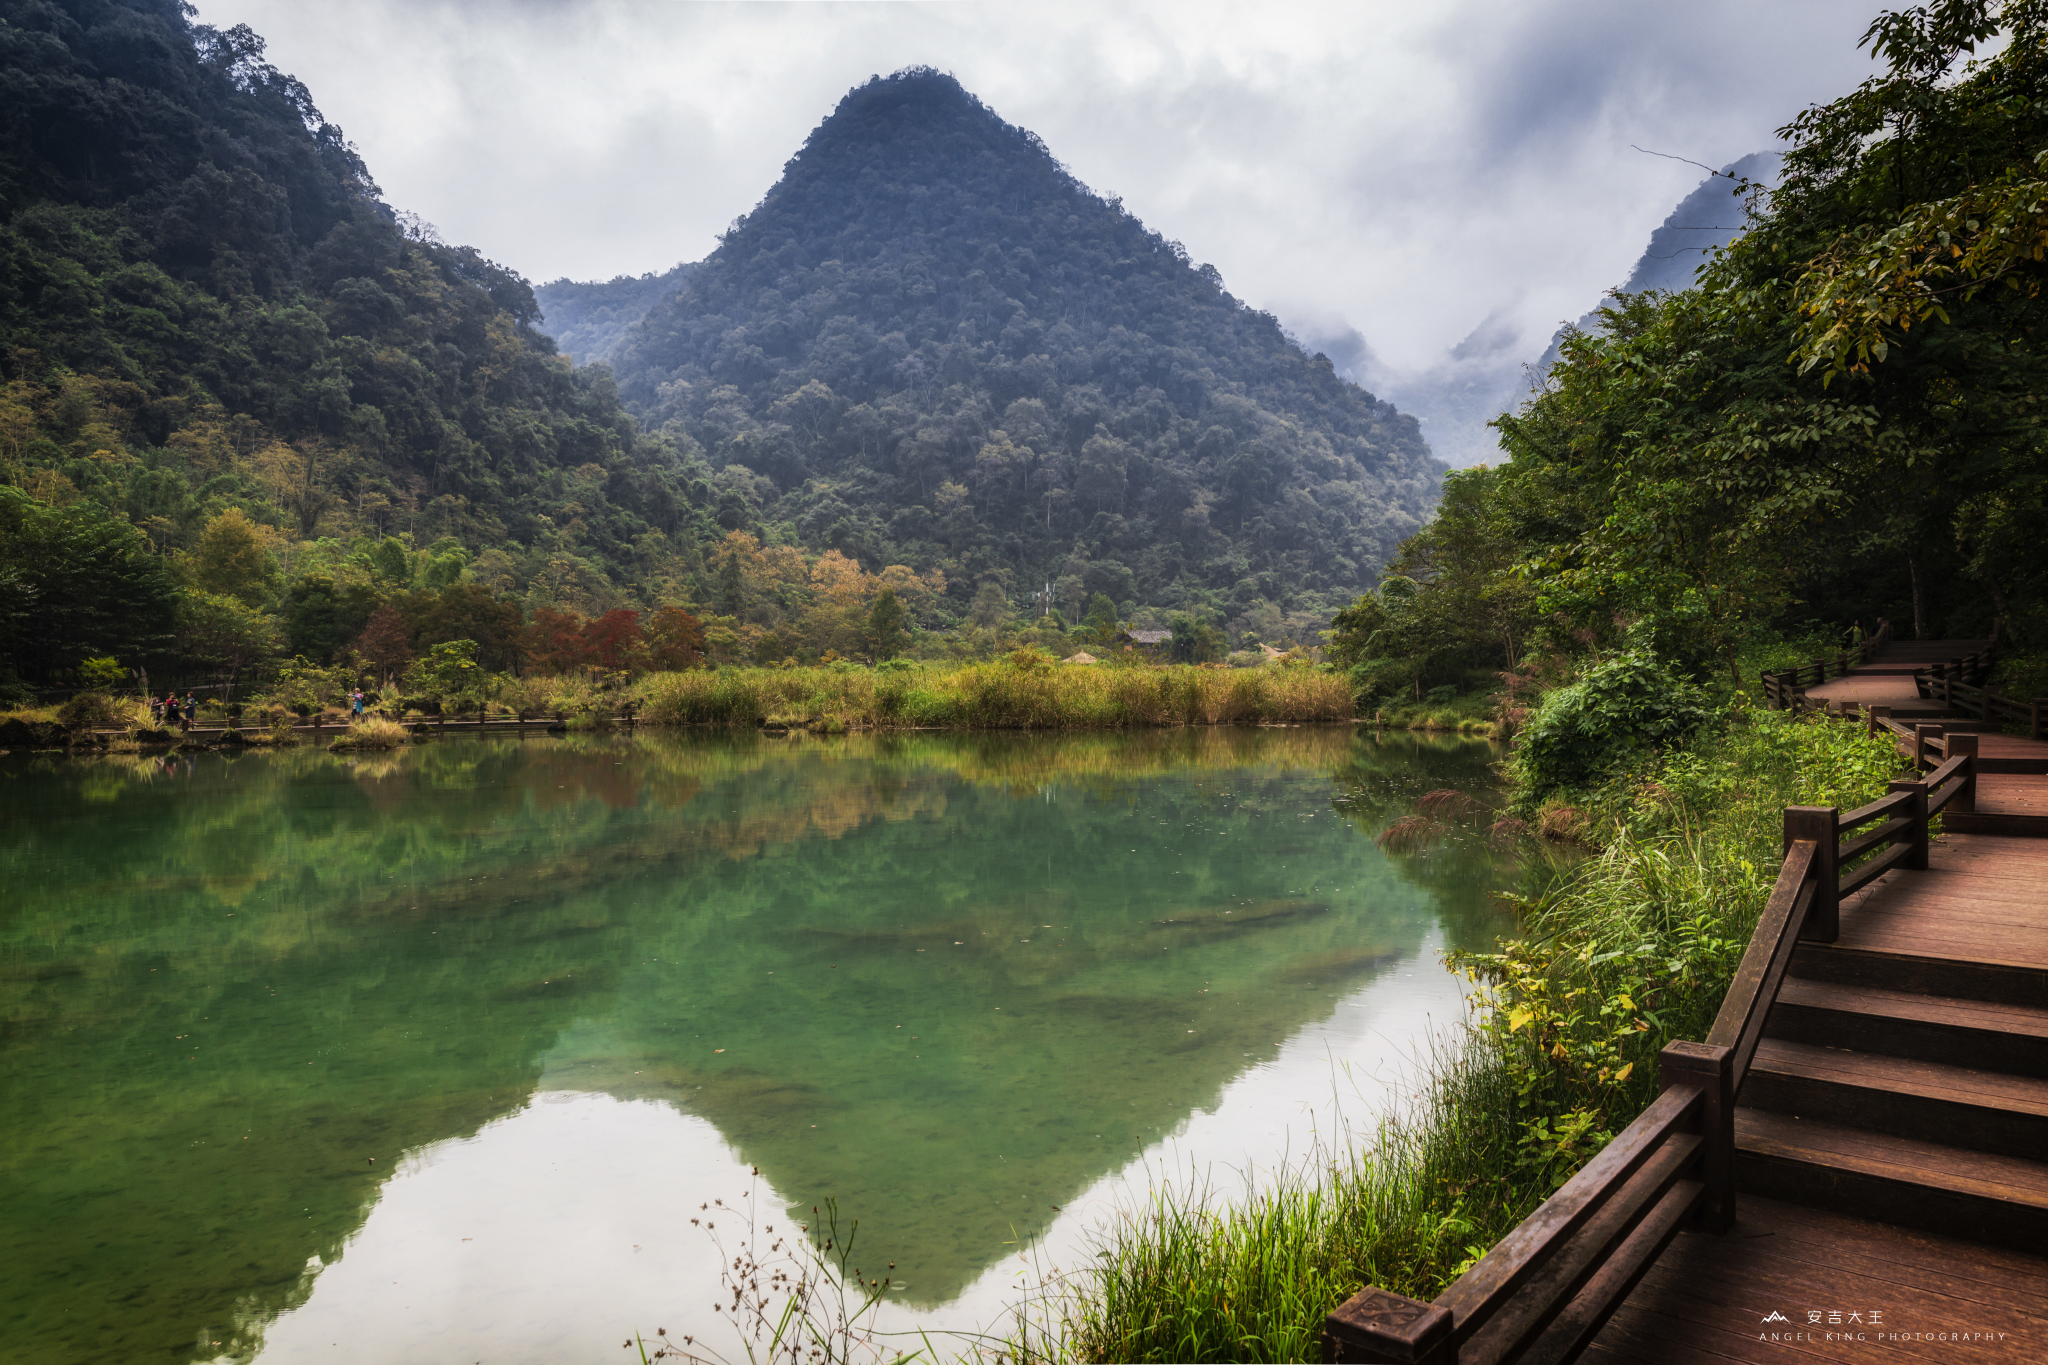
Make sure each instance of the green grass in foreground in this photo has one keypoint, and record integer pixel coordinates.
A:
(995, 696)
(1626, 951)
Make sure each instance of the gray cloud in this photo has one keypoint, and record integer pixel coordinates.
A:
(1417, 174)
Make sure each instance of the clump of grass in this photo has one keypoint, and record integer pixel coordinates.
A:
(372, 732)
(1191, 1277)
(1014, 694)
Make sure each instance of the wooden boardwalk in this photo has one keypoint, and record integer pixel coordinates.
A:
(1892, 1134)
(1853, 1165)
(1887, 679)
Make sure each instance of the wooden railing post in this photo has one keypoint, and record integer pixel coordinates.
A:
(1874, 718)
(1916, 811)
(1966, 795)
(1711, 1067)
(1821, 825)
(1921, 735)
(1388, 1329)
(2034, 709)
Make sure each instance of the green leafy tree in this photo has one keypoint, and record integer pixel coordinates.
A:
(885, 626)
(76, 582)
(448, 672)
(1196, 640)
(322, 615)
(991, 605)
(226, 634)
(1101, 623)
(469, 611)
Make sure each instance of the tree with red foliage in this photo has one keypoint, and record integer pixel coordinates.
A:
(386, 642)
(675, 640)
(554, 641)
(612, 641)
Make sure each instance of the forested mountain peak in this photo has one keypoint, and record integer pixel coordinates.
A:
(930, 344)
(209, 313)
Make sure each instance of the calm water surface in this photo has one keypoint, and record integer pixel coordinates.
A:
(433, 1055)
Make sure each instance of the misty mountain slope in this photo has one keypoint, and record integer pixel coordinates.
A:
(1487, 374)
(588, 320)
(1706, 220)
(931, 345)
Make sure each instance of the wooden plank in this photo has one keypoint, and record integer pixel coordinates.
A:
(1930, 1080)
(1684, 1301)
(1965, 1268)
(2006, 1179)
(1961, 1013)
(1754, 1286)
(1934, 974)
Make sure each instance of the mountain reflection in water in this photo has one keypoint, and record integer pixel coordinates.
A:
(950, 981)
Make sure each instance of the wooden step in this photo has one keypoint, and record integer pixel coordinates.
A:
(2008, 823)
(1967, 1033)
(1981, 1197)
(2004, 983)
(1984, 1111)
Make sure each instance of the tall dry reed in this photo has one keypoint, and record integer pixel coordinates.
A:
(999, 696)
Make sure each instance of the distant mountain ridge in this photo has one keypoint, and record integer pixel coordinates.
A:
(930, 345)
(1486, 374)
(588, 320)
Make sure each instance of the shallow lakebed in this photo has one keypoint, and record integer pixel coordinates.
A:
(434, 1054)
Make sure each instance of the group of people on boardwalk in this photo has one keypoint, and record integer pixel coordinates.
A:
(168, 710)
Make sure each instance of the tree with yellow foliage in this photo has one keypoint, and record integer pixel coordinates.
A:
(232, 559)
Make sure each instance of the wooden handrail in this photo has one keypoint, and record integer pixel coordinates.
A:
(1543, 1291)
(1740, 1024)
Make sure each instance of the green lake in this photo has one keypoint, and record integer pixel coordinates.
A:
(432, 1055)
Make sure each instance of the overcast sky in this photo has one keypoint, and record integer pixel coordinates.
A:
(1409, 169)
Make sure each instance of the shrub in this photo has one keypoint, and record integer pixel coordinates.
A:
(92, 711)
(1626, 705)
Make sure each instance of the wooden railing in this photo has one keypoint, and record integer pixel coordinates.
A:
(1955, 691)
(1784, 687)
(1543, 1291)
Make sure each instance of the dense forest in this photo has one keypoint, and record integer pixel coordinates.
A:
(247, 405)
(588, 320)
(931, 345)
(1840, 421)
(214, 323)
